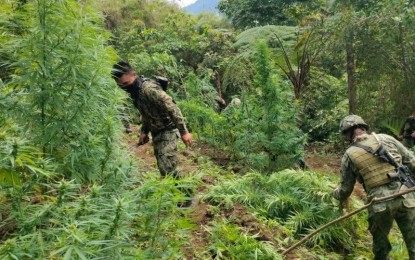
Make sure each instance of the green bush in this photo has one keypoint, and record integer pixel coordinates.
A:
(323, 105)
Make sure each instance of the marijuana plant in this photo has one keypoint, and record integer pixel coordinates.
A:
(300, 201)
(60, 76)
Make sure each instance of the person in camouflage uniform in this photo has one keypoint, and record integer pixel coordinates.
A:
(212, 99)
(407, 134)
(367, 168)
(160, 116)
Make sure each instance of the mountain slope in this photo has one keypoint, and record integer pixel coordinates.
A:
(203, 6)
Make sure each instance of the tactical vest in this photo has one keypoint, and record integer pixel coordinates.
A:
(372, 169)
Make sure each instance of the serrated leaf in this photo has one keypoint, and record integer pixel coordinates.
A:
(10, 177)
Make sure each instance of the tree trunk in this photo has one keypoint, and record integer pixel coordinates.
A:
(406, 103)
(350, 66)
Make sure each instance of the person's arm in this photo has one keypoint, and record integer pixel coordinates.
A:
(187, 139)
(145, 129)
(145, 125)
(167, 104)
(348, 180)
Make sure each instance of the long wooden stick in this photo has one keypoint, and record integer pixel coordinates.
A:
(374, 201)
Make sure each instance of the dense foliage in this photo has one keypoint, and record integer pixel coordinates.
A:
(288, 72)
(249, 13)
(58, 94)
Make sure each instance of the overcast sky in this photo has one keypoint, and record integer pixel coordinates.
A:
(184, 2)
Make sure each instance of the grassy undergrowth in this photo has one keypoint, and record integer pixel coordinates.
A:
(299, 202)
(254, 216)
(137, 219)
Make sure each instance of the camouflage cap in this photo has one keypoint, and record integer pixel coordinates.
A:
(350, 121)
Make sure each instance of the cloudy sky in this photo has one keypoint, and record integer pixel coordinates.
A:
(184, 2)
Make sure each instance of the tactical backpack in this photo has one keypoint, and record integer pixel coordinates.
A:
(161, 81)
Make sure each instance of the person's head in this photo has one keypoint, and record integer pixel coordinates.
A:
(235, 101)
(205, 90)
(413, 114)
(123, 74)
(352, 125)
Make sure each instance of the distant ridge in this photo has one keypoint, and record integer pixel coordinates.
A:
(203, 6)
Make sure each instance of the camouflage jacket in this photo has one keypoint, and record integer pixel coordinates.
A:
(350, 173)
(157, 108)
(408, 127)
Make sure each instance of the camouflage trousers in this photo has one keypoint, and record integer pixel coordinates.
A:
(381, 218)
(165, 145)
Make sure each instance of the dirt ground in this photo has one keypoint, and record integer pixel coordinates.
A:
(144, 153)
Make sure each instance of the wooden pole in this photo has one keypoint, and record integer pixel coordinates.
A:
(374, 201)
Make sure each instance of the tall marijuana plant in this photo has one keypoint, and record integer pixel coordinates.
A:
(267, 132)
(65, 98)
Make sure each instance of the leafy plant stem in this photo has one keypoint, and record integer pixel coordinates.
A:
(158, 221)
